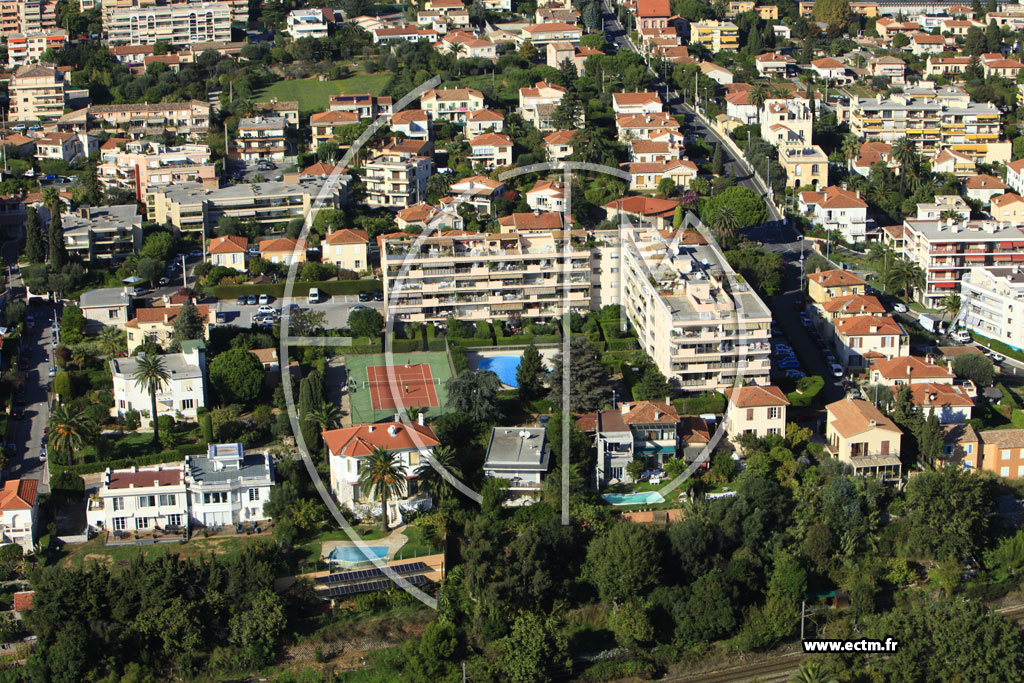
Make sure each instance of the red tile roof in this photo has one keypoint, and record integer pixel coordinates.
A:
(347, 236)
(360, 440)
(653, 8)
(985, 182)
(23, 600)
(836, 278)
(866, 325)
(644, 206)
(228, 244)
(18, 494)
(902, 367)
(282, 245)
(122, 479)
(754, 396)
(853, 416)
(854, 304)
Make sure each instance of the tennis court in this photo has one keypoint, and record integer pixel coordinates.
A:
(380, 386)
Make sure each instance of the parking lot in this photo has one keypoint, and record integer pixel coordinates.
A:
(336, 309)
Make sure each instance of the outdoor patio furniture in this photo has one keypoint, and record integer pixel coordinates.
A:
(238, 528)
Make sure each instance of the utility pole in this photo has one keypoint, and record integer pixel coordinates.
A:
(184, 272)
(803, 611)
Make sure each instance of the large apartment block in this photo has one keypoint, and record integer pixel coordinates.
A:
(946, 250)
(27, 48)
(98, 233)
(994, 301)
(397, 175)
(715, 35)
(177, 24)
(261, 138)
(145, 164)
(37, 92)
(934, 118)
(191, 119)
(193, 206)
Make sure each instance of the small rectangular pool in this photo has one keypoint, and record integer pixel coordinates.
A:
(647, 497)
(350, 554)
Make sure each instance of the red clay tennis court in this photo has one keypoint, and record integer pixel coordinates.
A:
(412, 384)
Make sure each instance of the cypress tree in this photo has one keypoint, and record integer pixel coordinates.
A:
(717, 167)
(35, 250)
(58, 253)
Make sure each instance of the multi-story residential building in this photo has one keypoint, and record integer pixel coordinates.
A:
(519, 455)
(539, 35)
(483, 121)
(946, 66)
(827, 313)
(156, 324)
(692, 327)
(175, 23)
(652, 13)
(935, 117)
(946, 249)
(641, 430)
(37, 16)
(285, 250)
(323, 125)
(261, 138)
(140, 165)
(546, 195)
(102, 233)
(228, 251)
(308, 23)
(942, 204)
(893, 68)
(192, 206)
(860, 339)
(346, 249)
(365, 106)
(645, 176)
(774, 64)
(408, 33)
(755, 410)
(107, 306)
(451, 104)
(190, 119)
(478, 191)
(140, 500)
(1002, 452)
(348, 447)
(862, 438)
(1007, 208)
(1015, 175)
(397, 175)
(37, 92)
(414, 124)
(982, 187)
(19, 512)
(993, 300)
(804, 164)
(791, 113)
(956, 163)
(643, 126)
(183, 394)
(27, 48)
(491, 150)
(228, 486)
(482, 276)
(715, 35)
(65, 147)
(537, 104)
(837, 209)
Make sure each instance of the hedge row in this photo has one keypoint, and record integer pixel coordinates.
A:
(623, 344)
(299, 288)
(710, 402)
(174, 455)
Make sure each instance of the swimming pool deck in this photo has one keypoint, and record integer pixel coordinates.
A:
(394, 542)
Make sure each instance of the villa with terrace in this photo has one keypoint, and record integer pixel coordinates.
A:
(647, 430)
(520, 456)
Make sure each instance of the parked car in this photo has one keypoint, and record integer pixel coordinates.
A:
(996, 357)
(795, 374)
(357, 307)
(266, 309)
(163, 282)
(195, 253)
(264, 299)
(365, 296)
(789, 364)
(251, 300)
(961, 336)
(899, 307)
(378, 295)
(837, 370)
(313, 296)
(241, 300)
(53, 371)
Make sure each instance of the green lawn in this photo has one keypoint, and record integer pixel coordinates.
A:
(120, 555)
(313, 94)
(416, 546)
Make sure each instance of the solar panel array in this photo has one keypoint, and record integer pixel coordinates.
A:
(364, 574)
(369, 586)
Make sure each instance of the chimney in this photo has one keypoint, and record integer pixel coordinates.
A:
(932, 396)
(392, 430)
(419, 419)
(211, 183)
(624, 407)
(369, 428)
(668, 401)
(167, 319)
(85, 212)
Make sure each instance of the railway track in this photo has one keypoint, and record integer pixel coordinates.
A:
(776, 670)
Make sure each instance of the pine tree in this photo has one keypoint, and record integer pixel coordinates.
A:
(58, 253)
(35, 249)
(993, 37)
(717, 167)
(188, 325)
(529, 373)
(588, 377)
(652, 385)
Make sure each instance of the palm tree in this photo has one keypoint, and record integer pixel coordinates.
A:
(950, 305)
(151, 374)
(905, 154)
(326, 416)
(851, 146)
(69, 428)
(811, 672)
(907, 275)
(112, 340)
(949, 215)
(382, 475)
(758, 94)
(432, 480)
(725, 222)
(414, 412)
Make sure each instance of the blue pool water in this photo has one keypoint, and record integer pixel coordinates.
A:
(353, 555)
(633, 498)
(504, 367)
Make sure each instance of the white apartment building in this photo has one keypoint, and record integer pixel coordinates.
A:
(791, 113)
(348, 446)
(228, 486)
(521, 456)
(307, 23)
(933, 117)
(688, 323)
(946, 250)
(181, 396)
(397, 176)
(838, 209)
(993, 300)
(37, 92)
(452, 104)
(27, 48)
(261, 138)
(177, 23)
(103, 233)
(537, 104)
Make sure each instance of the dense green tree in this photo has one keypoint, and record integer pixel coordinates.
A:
(622, 563)
(748, 205)
(69, 431)
(432, 480)
(975, 367)
(150, 270)
(948, 512)
(237, 376)
(652, 385)
(188, 325)
(717, 167)
(993, 37)
(975, 42)
(530, 374)
(366, 322)
(532, 649)
(588, 377)
(58, 251)
(475, 393)
(258, 630)
(710, 609)
(35, 248)
(158, 245)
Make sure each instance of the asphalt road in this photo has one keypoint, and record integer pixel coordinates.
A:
(776, 236)
(37, 350)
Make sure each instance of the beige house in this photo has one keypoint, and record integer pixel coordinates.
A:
(559, 144)
(324, 123)
(804, 164)
(861, 339)
(826, 284)
(755, 410)
(451, 104)
(19, 511)
(157, 325)
(346, 249)
(228, 251)
(483, 121)
(537, 104)
(37, 92)
(644, 177)
(1008, 208)
(860, 436)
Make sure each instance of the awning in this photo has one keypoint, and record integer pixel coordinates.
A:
(1007, 245)
(1018, 257)
(518, 306)
(945, 285)
(1018, 245)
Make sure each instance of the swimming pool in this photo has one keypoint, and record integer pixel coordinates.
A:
(634, 498)
(350, 554)
(504, 367)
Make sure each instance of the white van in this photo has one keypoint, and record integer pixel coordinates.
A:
(962, 336)
(314, 295)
